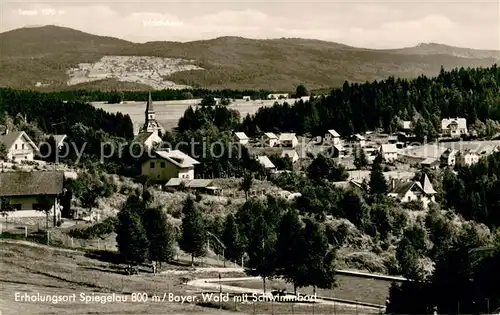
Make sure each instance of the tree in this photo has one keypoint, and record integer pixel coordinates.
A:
(3, 151)
(319, 260)
(289, 254)
(324, 167)
(115, 97)
(378, 184)
(194, 234)
(131, 237)
(360, 160)
(5, 208)
(301, 91)
(48, 150)
(246, 184)
(232, 239)
(161, 236)
(208, 100)
(261, 250)
(46, 205)
(410, 251)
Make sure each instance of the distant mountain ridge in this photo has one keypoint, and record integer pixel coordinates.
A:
(44, 54)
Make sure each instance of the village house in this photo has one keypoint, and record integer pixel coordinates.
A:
(389, 152)
(18, 146)
(454, 127)
(288, 140)
(449, 158)
(431, 163)
(266, 162)
(467, 157)
(270, 139)
(147, 140)
(167, 164)
(359, 140)
(292, 154)
(406, 126)
(337, 151)
(413, 191)
(332, 136)
(277, 96)
(59, 140)
(241, 137)
(28, 193)
(205, 186)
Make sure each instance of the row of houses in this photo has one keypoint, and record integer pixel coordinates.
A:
(402, 190)
(20, 147)
(450, 127)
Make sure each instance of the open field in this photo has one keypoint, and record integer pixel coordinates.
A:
(50, 271)
(169, 112)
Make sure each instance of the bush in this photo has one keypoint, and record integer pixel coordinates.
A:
(414, 205)
(97, 230)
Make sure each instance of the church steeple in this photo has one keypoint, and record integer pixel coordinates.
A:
(150, 123)
(150, 112)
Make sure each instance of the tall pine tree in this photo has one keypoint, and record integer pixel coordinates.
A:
(161, 236)
(194, 230)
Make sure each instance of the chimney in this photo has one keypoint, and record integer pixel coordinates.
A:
(6, 132)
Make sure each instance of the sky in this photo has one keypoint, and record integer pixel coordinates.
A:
(370, 24)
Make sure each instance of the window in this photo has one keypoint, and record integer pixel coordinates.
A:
(22, 146)
(15, 147)
(152, 165)
(162, 164)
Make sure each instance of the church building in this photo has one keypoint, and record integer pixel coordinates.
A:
(151, 132)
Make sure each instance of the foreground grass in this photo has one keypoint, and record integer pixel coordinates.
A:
(49, 271)
(367, 290)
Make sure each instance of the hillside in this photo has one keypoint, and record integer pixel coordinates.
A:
(45, 54)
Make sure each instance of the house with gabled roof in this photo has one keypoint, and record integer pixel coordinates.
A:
(27, 193)
(389, 152)
(201, 185)
(332, 136)
(421, 190)
(448, 158)
(241, 137)
(167, 164)
(291, 153)
(467, 157)
(454, 127)
(266, 162)
(406, 125)
(270, 139)
(288, 140)
(18, 146)
(59, 140)
(359, 139)
(147, 140)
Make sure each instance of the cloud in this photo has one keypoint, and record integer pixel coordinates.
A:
(371, 24)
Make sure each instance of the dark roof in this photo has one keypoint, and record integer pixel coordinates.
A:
(10, 138)
(142, 137)
(400, 188)
(31, 183)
